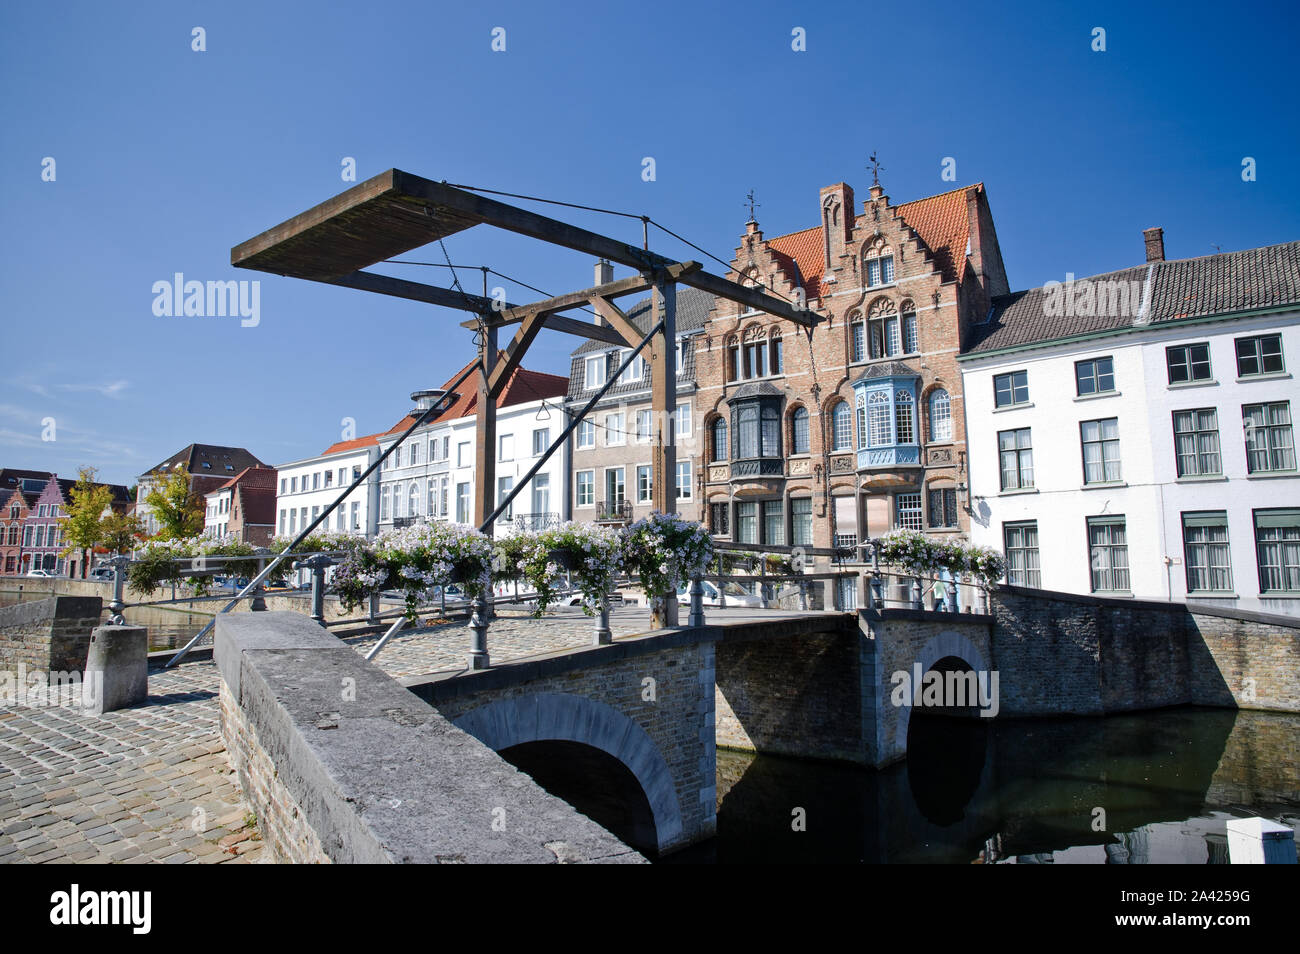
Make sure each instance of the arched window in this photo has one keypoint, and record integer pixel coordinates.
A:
(413, 499)
(904, 417)
(719, 430)
(799, 431)
(878, 433)
(842, 426)
(940, 415)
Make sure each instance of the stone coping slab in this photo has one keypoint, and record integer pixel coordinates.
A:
(379, 774)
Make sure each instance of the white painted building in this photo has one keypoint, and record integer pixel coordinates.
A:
(1148, 450)
(307, 487)
(432, 473)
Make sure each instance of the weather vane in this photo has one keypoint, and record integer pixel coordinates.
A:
(875, 168)
(752, 204)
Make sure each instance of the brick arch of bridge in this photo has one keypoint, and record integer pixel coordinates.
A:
(551, 716)
(940, 646)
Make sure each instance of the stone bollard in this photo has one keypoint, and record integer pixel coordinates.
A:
(117, 666)
(1258, 841)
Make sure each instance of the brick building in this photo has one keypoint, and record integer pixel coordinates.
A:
(244, 506)
(838, 435)
(42, 537)
(15, 505)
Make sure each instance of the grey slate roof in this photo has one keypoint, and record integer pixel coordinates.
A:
(221, 461)
(888, 369)
(693, 307)
(1224, 284)
(754, 390)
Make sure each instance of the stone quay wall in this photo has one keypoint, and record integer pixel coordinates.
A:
(51, 635)
(341, 763)
(1065, 654)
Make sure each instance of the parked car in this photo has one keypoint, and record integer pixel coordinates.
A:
(43, 574)
(737, 595)
(102, 573)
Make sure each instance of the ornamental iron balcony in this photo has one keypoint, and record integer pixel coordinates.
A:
(758, 467)
(536, 521)
(614, 511)
(895, 455)
(405, 522)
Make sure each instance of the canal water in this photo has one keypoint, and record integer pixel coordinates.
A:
(1153, 787)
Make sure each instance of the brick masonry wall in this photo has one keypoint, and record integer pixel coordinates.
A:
(286, 834)
(679, 720)
(51, 635)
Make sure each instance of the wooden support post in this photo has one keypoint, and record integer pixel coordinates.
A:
(663, 398)
(485, 468)
(485, 444)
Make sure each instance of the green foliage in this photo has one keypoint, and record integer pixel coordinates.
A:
(179, 512)
(83, 529)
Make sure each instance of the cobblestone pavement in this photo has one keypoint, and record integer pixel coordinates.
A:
(140, 785)
(512, 635)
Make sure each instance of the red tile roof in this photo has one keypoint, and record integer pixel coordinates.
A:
(258, 478)
(802, 258)
(353, 444)
(941, 221)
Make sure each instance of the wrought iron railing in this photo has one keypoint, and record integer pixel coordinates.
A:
(614, 510)
(536, 521)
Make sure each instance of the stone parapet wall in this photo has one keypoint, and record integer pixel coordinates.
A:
(341, 763)
(50, 635)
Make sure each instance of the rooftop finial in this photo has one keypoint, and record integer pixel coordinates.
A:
(752, 204)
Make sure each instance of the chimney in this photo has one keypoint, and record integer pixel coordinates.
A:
(604, 275)
(1155, 239)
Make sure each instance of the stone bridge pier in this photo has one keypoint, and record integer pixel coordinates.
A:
(824, 686)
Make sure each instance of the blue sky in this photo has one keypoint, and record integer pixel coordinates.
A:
(166, 157)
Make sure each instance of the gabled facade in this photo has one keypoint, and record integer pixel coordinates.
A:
(834, 437)
(244, 506)
(14, 511)
(42, 536)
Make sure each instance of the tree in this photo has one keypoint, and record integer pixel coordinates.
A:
(178, 511)
(82, 530)
(120, 531)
